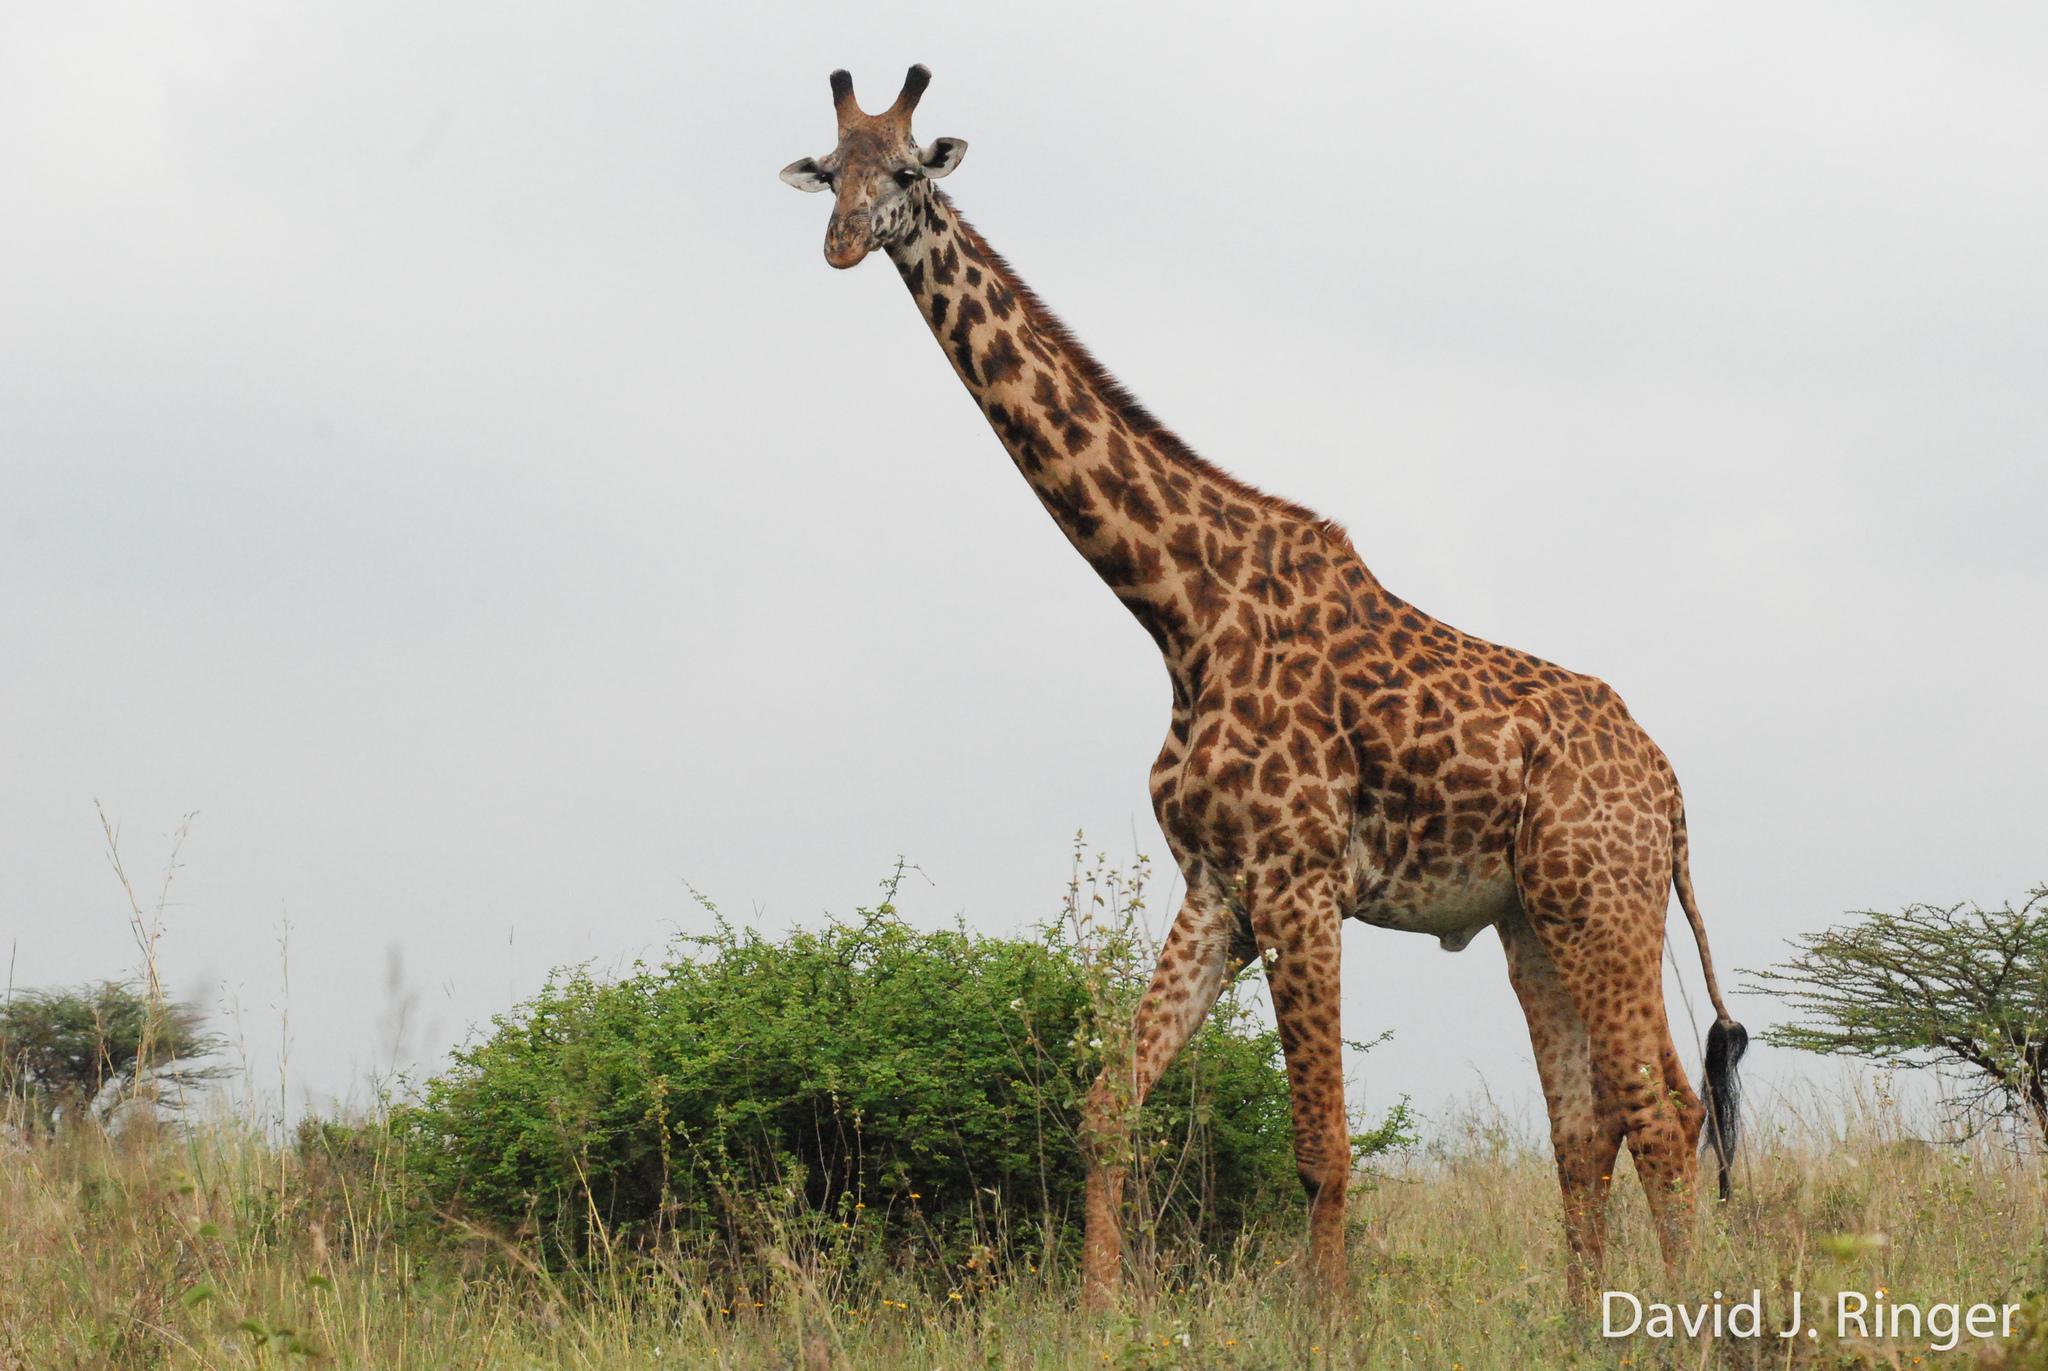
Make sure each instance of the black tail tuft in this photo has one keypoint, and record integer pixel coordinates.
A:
(1727, 1040)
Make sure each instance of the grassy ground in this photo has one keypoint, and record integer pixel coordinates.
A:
(219, 1250)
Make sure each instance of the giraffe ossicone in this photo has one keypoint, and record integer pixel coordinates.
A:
(1332, 752)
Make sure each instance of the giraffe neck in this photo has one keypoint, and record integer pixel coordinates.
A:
(1180, 542)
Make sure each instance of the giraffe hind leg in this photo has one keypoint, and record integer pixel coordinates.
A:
(1586, 1142)
(1610, 967)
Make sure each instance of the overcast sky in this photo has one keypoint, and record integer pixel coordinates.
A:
(433, 448)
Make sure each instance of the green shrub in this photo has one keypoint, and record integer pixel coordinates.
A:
(901, 1083)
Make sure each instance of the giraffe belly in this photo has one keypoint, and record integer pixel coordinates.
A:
(1452, 909)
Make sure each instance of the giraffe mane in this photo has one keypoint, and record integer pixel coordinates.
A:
(1120, 399)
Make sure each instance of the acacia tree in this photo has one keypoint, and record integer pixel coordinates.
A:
(1958, 989)
(67, 1055)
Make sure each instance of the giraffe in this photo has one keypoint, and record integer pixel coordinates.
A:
(1332, 753)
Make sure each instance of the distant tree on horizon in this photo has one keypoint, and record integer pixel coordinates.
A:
(1958, 989)
(67, 1055)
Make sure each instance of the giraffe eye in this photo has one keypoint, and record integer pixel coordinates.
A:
(907, 177)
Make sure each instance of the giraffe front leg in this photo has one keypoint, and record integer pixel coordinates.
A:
(1299, 932)
(1202, 952)
(1103, 1143)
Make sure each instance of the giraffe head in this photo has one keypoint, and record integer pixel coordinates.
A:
(877, 173)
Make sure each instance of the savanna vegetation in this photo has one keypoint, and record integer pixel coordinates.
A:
(854, 1147)
(1954, 989)
(73, 1057)
(916, 1093)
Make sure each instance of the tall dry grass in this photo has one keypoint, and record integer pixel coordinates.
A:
(218, 1245)
(215, 1247)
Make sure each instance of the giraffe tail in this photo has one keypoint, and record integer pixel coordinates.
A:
(1727, 1039)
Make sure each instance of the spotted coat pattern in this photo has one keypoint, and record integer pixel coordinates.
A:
(1332, 752)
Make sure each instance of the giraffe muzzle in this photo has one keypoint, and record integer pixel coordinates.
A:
(847, 239)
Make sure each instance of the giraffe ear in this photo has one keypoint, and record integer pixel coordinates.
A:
(806, 174)
(942, 156)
